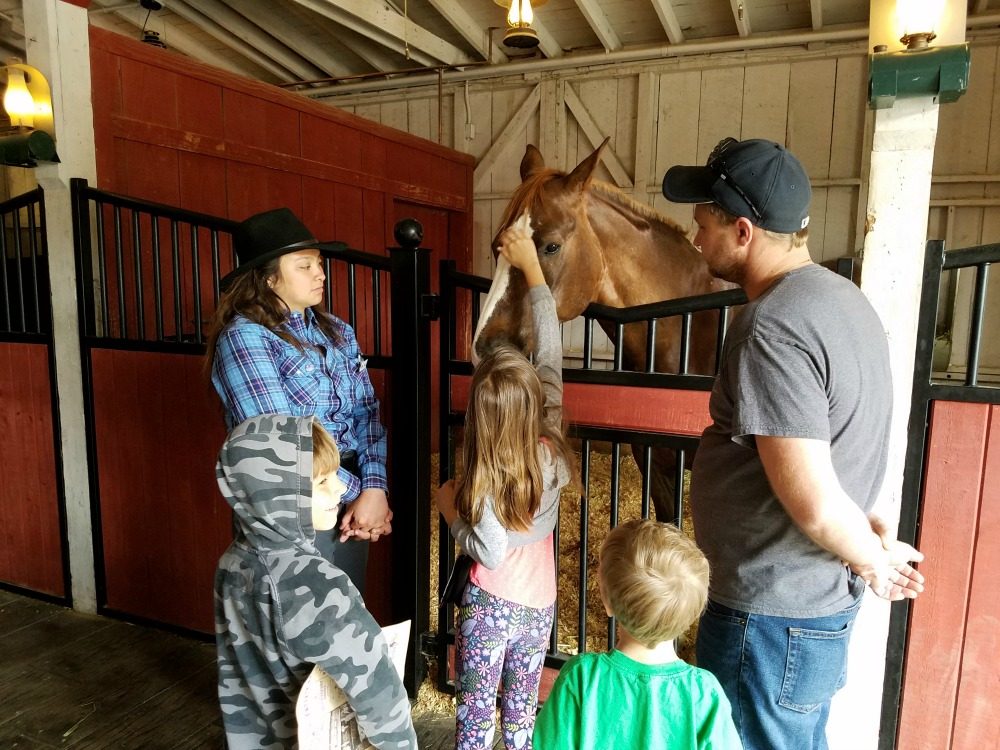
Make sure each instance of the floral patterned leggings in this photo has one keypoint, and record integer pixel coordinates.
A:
(497, 639)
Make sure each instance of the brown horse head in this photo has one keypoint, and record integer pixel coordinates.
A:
(595, 244)
(568, 249)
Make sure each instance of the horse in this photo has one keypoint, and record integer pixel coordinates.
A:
(596, 244)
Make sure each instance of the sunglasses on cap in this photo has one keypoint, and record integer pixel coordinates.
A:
(717, 163)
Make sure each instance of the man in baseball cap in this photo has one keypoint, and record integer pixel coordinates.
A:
(786, 475)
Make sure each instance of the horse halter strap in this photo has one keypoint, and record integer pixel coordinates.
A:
(717, 163)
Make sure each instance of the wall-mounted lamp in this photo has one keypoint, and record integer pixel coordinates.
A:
(916, 68)
(519, 19)
(27, 102)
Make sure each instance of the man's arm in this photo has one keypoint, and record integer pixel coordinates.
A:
(802, 476)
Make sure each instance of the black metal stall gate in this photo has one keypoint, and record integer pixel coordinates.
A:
(951, 626)
(461, 298)
(148, 283)
(34, 559)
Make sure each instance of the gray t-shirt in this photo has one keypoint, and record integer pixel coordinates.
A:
(807, 359)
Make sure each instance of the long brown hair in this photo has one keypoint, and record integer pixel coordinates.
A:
(251, 296)
(504, 423)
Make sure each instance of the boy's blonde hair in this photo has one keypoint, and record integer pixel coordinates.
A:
(326, 457)
(503, 423)
(655, 580)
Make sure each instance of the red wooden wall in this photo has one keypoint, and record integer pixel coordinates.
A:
(173, 131)
(31, 554)
(952, 676)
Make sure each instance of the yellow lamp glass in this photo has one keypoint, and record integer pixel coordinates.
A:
(520, 13)
(918, 16)
(17, 101)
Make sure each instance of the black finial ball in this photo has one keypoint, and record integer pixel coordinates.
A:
(409, 233)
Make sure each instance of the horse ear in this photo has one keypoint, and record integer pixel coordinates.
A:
(580, 177)
(532, 163)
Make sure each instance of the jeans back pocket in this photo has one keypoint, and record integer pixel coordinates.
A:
(815, 667)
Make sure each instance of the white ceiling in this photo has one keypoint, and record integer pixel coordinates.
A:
(289, 41)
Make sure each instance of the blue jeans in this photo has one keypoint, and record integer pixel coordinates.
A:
(779, 673)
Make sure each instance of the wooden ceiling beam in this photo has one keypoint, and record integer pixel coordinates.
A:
(385, 26)
(229, 39)
(668, 17)
(473, 32)
(175, 38)
(816, 9)
(598, 21)
(741, 15)
(264, 16)
(263, 41)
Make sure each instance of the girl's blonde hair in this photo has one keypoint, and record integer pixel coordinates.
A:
(654, 579)
(503, 425)
(251, 296)
(326, 456)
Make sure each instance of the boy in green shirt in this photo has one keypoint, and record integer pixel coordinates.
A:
(654, 580)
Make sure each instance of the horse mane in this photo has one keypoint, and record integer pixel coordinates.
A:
(614, 195)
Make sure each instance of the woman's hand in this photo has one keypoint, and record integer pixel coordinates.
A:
(368, 517)
(446, 501)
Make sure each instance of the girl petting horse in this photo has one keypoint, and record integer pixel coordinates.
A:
(502, 513)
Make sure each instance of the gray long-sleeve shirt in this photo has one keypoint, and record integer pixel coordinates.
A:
(488, 541)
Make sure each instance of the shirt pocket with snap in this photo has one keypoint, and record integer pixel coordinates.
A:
(300, 377)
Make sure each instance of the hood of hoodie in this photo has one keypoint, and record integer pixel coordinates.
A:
(265, 474)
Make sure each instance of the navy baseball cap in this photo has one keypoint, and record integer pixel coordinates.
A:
(756, 179)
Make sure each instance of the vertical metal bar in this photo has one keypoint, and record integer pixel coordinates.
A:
(328, 283)
(619, 345)
(175, 260)
(377, 311)
(446, 447)
(721, 336)
(554, 632)
(581, 638)
(616, 449)
(137, 256)
(16, 217)
(120, 273)
(409, 454)
(154, 224)
(679, 487)
(916, 440)
(476, 303)
(102, 263)
(83, 252)
(976, 324)
(352, 305)
(647, 473)
(8, 322)
(196, 283)
(651, 345)
(588, 343)
(215, 268)
(33, 250)
(682, 364)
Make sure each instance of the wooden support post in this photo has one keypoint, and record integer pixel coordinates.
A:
(57, 35)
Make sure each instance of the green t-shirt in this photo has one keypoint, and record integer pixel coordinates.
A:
(610, 701)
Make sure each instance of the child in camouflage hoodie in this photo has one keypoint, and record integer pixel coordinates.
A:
(280, 607)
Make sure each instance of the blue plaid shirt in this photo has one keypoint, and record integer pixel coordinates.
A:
(257, 372)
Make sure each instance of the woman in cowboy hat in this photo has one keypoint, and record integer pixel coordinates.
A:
(273, 350)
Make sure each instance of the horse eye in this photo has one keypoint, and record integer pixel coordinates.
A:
(552, 248)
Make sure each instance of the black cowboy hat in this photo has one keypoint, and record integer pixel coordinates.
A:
(268, 235)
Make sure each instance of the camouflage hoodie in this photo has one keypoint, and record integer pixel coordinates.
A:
(280, 608)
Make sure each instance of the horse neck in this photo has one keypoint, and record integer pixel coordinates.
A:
(660, 263)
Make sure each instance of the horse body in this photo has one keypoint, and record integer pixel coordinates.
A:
(598, 245)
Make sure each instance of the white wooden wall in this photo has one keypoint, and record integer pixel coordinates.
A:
(674, 111)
